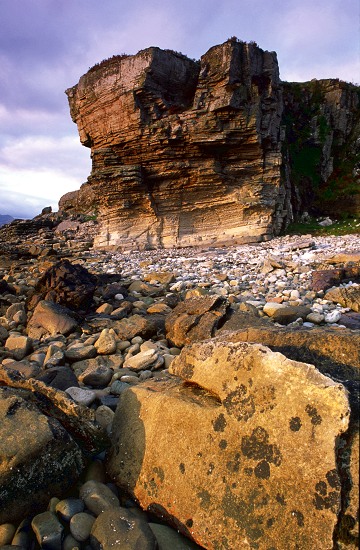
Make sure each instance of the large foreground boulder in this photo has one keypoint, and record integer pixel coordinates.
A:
(38, 458)
(240, 451)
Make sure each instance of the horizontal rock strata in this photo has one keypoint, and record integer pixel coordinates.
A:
(183, 152)
(217, 151)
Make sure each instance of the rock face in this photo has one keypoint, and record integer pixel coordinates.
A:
(182, 148)
(252, 461)
(321, 154)
(216, 151)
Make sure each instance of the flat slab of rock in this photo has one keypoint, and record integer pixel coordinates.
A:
(247, 455)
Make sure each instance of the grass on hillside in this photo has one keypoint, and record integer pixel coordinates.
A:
(348, 226)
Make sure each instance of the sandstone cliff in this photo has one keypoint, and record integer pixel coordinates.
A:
(186, 152)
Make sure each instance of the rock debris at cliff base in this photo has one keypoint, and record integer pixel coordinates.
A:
(85, 341)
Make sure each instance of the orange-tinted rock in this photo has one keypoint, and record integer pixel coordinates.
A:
(183, 152)
(241, 454)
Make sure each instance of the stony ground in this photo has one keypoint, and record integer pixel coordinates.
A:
(107, 354)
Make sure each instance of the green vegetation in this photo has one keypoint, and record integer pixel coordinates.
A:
(346, 226)
(307, 119)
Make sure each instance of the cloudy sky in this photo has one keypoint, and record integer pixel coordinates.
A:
(46, 45)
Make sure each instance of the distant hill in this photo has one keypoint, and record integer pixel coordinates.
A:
(4, 218)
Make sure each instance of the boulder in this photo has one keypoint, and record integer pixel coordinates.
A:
(51, 318)
(345, 296)
(136, 325)
(322, 279)
(38, 458)
(194, 319)
(67, 284)
(79, 421)
(248, 453)
(334, 352)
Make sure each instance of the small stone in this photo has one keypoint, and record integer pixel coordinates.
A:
(96, 375)
(105, 308)
(79, 352)
(332, 316)
(70, 543)
(81, 395)
(7, 532)
(117, 387)
(19, 346)
(142, 360)
(48, 531)
(104, 416)
(98, 497)
(81, 525)
(106, 344)
(68, 507)
(130, 379)
(315, 318)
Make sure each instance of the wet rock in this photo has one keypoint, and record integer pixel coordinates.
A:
(37, 457)
(267, 418)
(48, 530)
(98, 497)
(81, 525)
(119, 527)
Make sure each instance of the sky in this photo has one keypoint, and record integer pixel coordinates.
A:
(47, 45)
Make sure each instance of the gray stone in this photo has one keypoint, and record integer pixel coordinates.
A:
(98, 497)
(81, 395)
(48, 530)
(79, 352)
(169, 539)
(80, 526)
(119, 528)
(96, 375)
(68, 507)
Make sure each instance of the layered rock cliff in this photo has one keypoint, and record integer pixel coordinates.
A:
(186, 152)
